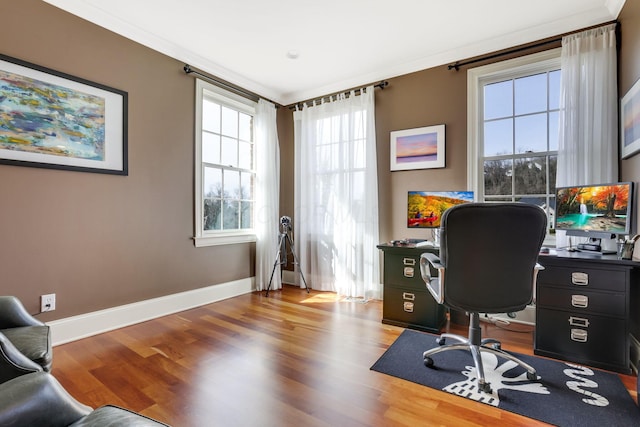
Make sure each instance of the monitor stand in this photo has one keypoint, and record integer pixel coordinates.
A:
(594, 246)
(436, 237)
(590, 247)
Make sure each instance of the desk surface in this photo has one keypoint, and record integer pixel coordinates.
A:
(559, 254)
(389, 245)
(588, 256)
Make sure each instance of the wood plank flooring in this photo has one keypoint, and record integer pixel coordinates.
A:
(290, 359)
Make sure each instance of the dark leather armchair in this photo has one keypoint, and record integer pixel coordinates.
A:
(487, 264)
(25, 333)
(38, 399)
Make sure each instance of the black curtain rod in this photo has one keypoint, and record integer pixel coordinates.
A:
(380, 85)
(457, 65)
(239, 91)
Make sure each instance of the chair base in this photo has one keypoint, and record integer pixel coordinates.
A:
(475, 344)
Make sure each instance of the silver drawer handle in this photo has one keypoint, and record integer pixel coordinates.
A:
(408, 307)
(580, 279)
(409, 261)
(408, 272)
(579, 335)
(579, 321)
(408, 296)
(580, 301)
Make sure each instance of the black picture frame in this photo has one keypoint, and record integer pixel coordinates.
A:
(50, 119)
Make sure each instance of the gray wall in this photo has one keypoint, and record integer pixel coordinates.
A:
(439, 96)
(429, 97)
(96, 240)
(99, 241)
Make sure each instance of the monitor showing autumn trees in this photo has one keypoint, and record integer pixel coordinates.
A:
(425, 208)
(594, 209)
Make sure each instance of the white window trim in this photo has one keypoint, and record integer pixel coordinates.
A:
(476, 78)
(219, 237)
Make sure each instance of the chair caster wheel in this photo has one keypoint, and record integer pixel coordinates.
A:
(532, 376)
(485, 388)
(428, 362)
(440, 340)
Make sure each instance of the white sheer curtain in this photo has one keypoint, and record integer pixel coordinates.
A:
(588, 144)
(267, 191)
(336, 193)
(588, 127)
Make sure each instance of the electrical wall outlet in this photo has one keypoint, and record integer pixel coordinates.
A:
(47, 302)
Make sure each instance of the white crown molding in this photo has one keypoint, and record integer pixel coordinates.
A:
(482, 47)
(606, 12)
(104, 19)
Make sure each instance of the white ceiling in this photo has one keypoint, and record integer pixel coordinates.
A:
(341, 43)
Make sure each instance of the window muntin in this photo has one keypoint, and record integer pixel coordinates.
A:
(519, 145)
(513, 130)
(225, 167)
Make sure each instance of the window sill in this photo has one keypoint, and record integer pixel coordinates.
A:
(230, 239)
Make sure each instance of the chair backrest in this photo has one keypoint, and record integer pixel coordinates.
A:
(489, 251)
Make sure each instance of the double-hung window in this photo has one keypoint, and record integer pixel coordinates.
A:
(513, 112)
(224, 167)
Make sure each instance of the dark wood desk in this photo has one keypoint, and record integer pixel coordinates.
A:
(587, 310)
(587, 305)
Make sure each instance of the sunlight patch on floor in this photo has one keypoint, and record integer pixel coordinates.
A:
(325, 297)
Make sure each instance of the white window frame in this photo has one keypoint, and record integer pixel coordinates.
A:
(477, 78)
(236, 102)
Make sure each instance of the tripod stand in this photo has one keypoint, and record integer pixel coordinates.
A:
(285, 227)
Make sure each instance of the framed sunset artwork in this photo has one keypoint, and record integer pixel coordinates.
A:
(630, 122)
(419, 148)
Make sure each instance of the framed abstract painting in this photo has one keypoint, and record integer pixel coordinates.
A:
(53, 120)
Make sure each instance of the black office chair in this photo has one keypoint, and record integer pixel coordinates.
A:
(487, 264)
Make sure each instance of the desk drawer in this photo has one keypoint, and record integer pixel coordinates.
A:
(403, 270)
(582, 301)
(589, 339)
(584, 278)
(407, 307)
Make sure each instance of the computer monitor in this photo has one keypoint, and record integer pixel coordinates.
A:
(425, 208)
(596, 211)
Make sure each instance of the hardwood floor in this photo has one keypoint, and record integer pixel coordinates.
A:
(292, 359)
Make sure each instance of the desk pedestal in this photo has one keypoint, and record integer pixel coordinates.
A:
(583, 310)
(407, 302)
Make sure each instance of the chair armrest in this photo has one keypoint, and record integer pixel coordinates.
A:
(13, 314)
(12, 362)
(433, 259)
(536, 270)
(112, 415)
(38, 399)
(435, 285)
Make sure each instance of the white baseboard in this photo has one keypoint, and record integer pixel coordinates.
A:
(88, 324)
(291, 277)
